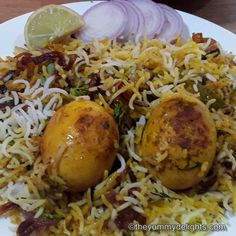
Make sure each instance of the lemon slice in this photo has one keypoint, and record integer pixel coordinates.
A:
(50, 22)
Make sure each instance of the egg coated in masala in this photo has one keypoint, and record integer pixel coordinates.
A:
(80, 142)
(179, 141)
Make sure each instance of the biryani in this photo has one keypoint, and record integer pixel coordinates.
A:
(126, 80)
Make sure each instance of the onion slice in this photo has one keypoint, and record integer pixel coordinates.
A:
(173, 25)
(153, 17)
(134, 28)
(105, 19)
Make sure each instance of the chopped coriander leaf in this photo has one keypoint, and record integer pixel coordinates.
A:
(118, 112)
(78, 91)
(50, 216)
(12, 142)
(43, 80)
(206, 95)
(51, 68)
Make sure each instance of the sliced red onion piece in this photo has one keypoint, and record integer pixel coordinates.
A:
(8, 207)
(105, 19)
(34, 225)
(134, 27)
(153, 17)
(173, 25)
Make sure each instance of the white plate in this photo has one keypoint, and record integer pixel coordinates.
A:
(11, 34)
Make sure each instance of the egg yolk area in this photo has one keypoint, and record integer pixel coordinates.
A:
(80, 142)
(179, 141)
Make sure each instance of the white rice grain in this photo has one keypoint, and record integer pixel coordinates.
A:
(5, 114)
(138, 209)
(8, 77)
(36, 92)
(210, 77)
(195, 88)
(39, 212)
(85, 97)
(141, 121)
(113, 214)
(206, 45)
(210, 102)
(122, 163)
(27, 86)
(141, 197)
(133, 154)
(4, 145)
(226, 203)
(130, 186)
(188, 58)
(123, 206)
(53, 91)
(35, 86)
(141, 169)
(15, 97)
(31, 146)
(5, 99)
(131, 200)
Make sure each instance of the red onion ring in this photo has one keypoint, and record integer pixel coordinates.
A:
(153, 17)
(173, 25)
(135, 26)
(130, 20)
(105, 19)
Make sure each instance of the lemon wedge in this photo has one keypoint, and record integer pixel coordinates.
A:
(49, 23)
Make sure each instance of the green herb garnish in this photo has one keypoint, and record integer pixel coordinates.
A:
(206, 95)
(79, 91)
(51, 68)
(12, 142)
(118, 112)
(43, 80)
(49, 216)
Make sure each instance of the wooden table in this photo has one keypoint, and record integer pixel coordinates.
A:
(222, 12)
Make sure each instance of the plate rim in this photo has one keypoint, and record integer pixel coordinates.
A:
(183, 14)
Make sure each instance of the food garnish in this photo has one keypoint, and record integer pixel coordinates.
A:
(49, 23)
(173, 24)
(118, 112)
(131, 20)
(79, 91)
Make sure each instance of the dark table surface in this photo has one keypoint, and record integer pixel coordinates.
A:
(222, 12)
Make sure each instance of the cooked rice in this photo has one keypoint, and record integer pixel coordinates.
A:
(145, 70)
